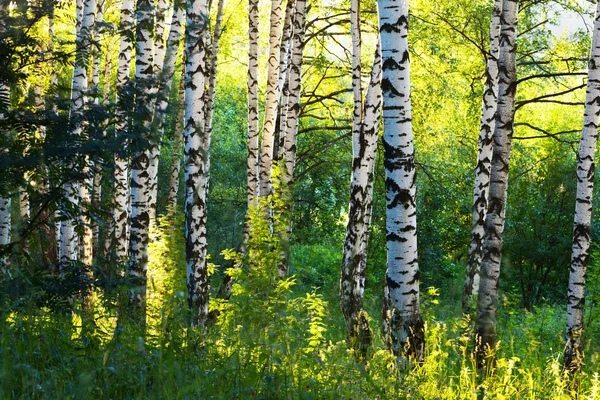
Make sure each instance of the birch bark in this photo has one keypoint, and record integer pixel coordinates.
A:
(583, 207)
(354, 261)
(487, 302)
(140, 161)
(165, 81)
(291, 116)
(177, 139)
(272, 100)
(252, 102)
(402, 277)
(484, 160)
(195, 161)
(120, 197)
(69, 241)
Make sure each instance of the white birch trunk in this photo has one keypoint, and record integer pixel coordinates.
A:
(177, 142)
(211, 55)
(354, 261)
(487, 302)
(402, 277)
(252, 101)
(284, 89)
(583, 207)
(160, 17)
(5, 231)
(165, 79)
(5, 200)
(291, 115)
(140, 161)
(195, 161)
(120, 199)
(69, 241)
(484, 161)
(272, 100)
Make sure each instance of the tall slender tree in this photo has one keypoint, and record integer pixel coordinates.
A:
(272, 100)
(140, 160)
(5, 198)
(195, 161)
(86, 187)
(165, 81)
(253, 118)
(177, 141)
(487, 303)
(69, 242)
(291, 115)
(402, 277)
(484, 161)
(583, 206)
(211, 55)
(354, 260)
(120, 198)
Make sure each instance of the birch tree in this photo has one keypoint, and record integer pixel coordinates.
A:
(140, 161)
(5, 199)
(195, 161)
(484, 160)
(354, 260)
(69, 242)
(252, 102)
(288, 133)
(583, 207)
(85, 188)
(164, 75)
(402, 277)
(121, 184)
(487, 302)
(272, 100)
(212, 52)
(177, 139)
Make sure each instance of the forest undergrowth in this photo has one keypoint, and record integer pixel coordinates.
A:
(274, 339)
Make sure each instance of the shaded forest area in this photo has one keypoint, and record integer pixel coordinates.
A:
(299, 199)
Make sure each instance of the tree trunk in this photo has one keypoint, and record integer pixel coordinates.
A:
(5, 200)
(164, 76)
(195, 162)
(354, 261)
(52, 106)
(272, 100)
(583, 207)
(120, 196)
(290, 131)
(212, 53)
(140, 161)
(177, 139)
(47, 235)
(285, 50)
(487, 303)
(87, 188)
(402, 277)
(69, 240)
(484, 161)
(252, 101)
(97, 180)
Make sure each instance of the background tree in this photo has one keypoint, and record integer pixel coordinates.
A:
(487, 305)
